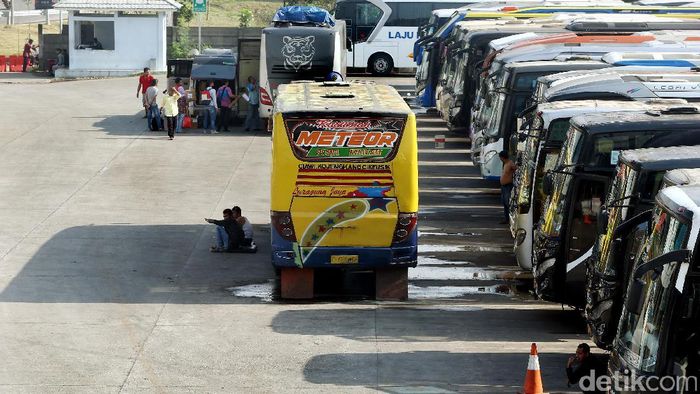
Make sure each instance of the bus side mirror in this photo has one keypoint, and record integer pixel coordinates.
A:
(547, 184)
(348, 44)
(603, 217)
(634, 300)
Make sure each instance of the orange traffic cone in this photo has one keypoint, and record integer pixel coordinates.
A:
(533, 377)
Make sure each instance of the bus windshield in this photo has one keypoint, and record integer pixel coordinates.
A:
(554, 211)
(639, 335)
(622, 188)
(556, 134)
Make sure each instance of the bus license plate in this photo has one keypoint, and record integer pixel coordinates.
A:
(345, 259)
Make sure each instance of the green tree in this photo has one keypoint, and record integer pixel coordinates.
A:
(245, 17)
(182, 44)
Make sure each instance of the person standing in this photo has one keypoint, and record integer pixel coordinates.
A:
(144, 83)
(224, 97)
(152, 105)
(212, 110)
(27, 53)
(181, 104)
(252, 119)
(506, 183)
(170, 110)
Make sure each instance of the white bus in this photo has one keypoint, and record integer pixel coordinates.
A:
(383, 31)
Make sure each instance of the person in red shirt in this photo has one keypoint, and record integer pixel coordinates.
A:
(27, 53)
(144, 82)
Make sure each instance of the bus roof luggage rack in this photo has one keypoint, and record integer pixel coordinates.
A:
(601, 26)
(686, 110)
(680, 110)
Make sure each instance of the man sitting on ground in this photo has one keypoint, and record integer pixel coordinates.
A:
(245, 225)
(229, 233)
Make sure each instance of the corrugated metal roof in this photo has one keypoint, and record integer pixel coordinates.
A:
(119, 5)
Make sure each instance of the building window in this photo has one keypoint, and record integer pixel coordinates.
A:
(96, 35)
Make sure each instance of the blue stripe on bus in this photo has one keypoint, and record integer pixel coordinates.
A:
(656, 63)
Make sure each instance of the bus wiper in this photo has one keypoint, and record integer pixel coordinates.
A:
(560, 169)
(615, 201)
(527, 110)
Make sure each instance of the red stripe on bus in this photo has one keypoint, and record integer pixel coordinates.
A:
(342, 184)
(348, 170)
(369, 177)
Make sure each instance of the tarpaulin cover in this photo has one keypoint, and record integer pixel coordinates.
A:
(303, 14)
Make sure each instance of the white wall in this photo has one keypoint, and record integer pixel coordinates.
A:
(138, 42)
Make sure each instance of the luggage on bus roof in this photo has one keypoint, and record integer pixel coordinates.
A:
(303, 14)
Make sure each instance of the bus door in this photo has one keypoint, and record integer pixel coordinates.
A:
(587, 195)
(344, 196)
(361, 18)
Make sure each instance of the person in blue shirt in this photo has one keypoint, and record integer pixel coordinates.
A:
(252, 119)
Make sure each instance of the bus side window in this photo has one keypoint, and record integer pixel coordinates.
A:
(367, 18)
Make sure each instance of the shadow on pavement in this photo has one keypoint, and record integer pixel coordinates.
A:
(137, 264)
(133, 125)
(436, 371)
(429, 324)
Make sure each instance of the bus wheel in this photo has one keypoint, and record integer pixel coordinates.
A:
(381, 64)
(391, 283)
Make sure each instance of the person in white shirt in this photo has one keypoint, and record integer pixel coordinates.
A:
(152, 106)
(210, 123)
(245, 224)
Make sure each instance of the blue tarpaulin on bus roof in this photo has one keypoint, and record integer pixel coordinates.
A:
(303, 14)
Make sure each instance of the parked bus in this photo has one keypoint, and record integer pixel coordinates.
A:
(488, 142)
(639, 176)
(427, 78)
(542, 141)
(299, 46)
(383, 31)
(506, 101)
(658, 336)
(344, 182)
(566, 232)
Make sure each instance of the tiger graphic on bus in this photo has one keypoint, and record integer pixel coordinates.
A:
(298, 52)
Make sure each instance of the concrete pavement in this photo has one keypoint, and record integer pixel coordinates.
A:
(107, 285)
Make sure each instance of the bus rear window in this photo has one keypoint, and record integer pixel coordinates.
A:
(345, 139)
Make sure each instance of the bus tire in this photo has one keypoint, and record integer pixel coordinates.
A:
(380, 64)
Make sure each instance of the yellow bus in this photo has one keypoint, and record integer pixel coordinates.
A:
(344, 183)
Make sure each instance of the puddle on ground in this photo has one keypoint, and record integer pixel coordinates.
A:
(455, 273)
(429, 292)
(422, 260)
(437, 233)
(438, 248)
(262, 291)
